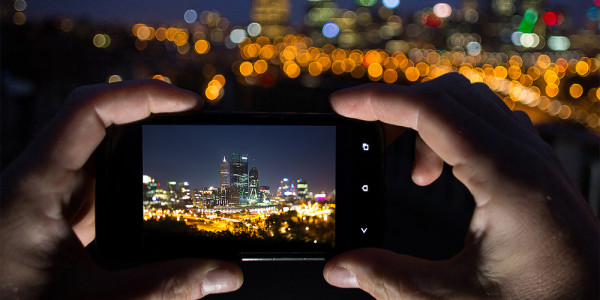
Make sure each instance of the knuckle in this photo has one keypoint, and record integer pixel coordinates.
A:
(175, 288)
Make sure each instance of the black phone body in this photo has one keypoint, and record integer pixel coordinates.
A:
(249, 186)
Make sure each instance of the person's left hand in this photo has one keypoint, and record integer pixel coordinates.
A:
(47, 207)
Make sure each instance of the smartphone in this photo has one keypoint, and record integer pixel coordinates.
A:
(247, 186)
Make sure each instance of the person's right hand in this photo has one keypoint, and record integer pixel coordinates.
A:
(532, 236)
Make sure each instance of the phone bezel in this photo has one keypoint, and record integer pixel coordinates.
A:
(119, 232)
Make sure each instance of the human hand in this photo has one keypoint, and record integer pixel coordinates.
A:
(531, 236)
(47, 207)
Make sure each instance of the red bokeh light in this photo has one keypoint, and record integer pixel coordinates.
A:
(553, 18)
(431, 20)
(597, 2)
(550, 18)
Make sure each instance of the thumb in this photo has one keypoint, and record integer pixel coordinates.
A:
(388, 275)
(176, 279)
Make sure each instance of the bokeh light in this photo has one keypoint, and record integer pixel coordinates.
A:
(190, 16)
(114, 78)
(202, 46)
(254, 29)
(559, 43)
(101, 40)
(474, 48)
(20, 5)
(431, 20)
(412, 74)
(237, 35)
(366, 2)
(330, 30)
(593, 13)
(391, 4)
(442, 10)
(19, 18)
(582, 68)
(246, 68)
(576, 90)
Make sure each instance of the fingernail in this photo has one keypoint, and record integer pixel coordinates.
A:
(219, 281)
(342, 277)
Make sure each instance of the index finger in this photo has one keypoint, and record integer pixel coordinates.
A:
(457, 133)
(80, 127)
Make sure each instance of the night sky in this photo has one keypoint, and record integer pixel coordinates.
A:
(194, 153)
(237, 11)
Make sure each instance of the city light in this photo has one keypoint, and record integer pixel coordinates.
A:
(20, 5)
(528, 54)
(254, 29)
(101, 40)
(330, 30)
(237, 35)
(442, 10)
(114, 78)
(190, 16)
(391, 4)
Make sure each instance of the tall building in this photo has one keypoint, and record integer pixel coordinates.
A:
(272, 15)
(319, 12)
(224, 174)
(301, 188)
(232, 196)
(253, 183)
(172, 191)
(264, 192)
(286, 188)
(150, 186)
(238, 174)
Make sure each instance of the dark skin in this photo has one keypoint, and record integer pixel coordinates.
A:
(532, 235)
(47, 208)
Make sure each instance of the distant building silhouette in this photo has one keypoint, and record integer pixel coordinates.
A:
(238, 174)
(224, 174)
(253, 183)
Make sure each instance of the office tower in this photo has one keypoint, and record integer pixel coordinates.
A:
(232, 196)
(253, 183)
(183, 190)
(272, 15)
(238, 174)
(286, 188)
(224, 174)
(150, 186)
(172, 191)
(319, 12)
(301, 188)
(264, 192)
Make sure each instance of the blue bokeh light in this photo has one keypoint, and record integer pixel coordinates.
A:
(330, 30)
(190, 16)
(593, 13)
(391, 4)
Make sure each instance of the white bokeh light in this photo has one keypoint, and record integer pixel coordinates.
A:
(442, 10)
(254, 29)
(237, 35)
(190, 16)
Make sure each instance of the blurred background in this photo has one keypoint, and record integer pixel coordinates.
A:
(539, 56)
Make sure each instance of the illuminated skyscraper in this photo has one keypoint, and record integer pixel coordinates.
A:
(224, 174)
(319, 12)
(272, 15)
(253, 183)
(301, 188)
(286, 188)
(172, 191)
(238, 174)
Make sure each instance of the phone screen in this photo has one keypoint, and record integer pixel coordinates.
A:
(266, 187)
